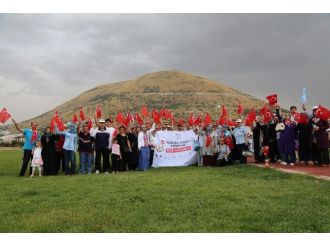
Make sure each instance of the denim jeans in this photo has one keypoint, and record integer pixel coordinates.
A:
(69, 156)
(85, 159)
(144, 157)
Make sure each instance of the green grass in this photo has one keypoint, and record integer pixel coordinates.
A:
(190, 199)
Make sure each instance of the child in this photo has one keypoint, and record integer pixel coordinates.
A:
(115, 155)
(37, 159)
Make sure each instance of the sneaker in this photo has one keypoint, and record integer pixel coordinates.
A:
(310, 163)
(291, 164)
(279, 162)
(284, 163)
(116, 171)
(112, 172)
(106, 172)
(97, 172)
(31, 176)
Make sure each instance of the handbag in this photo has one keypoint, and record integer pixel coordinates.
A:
(196, 146)
(126, 149)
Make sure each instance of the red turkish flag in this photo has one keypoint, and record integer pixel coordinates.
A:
(224, 111)
(34, 136)
(207, 119)
(252, 115)
(4, 115)
(322, 113)
(74, 118)
(267, 116)
(180, 122)
(300, 118)
(138, 118)
(120, 118)
(82, 114)
(128, 119)
(198, 120)
(156, 116)
(240, 109)
(231, 123)
(264, 109)
(208, 140)
(265, 150)
(89, 123)
(229, 142)
(98, 111)
(272, 99)
(167, 114)
(144, 111)
(191, 119)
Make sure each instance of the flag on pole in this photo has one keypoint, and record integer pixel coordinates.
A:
(272, 99)
(4, 115)
(82, 114)
(89, 123)
(304, 96)
(98, 111)
(144, 111)
(240, 109)
(74, 118)
(138, 119)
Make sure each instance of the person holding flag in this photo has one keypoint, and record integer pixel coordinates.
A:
(241, 138)
(69, 147)
(31, 135)
(319, 139)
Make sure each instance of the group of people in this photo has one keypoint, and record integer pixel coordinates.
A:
(113, 148)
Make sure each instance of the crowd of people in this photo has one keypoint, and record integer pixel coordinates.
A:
(110, 147)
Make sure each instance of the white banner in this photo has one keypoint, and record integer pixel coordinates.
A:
(174, 148)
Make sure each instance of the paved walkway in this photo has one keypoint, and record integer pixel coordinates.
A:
(315, 171)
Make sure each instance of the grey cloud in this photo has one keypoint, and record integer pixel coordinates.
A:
(255, 53)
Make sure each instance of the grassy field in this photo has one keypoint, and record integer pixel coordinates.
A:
(190, 199)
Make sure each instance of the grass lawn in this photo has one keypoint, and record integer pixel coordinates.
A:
(189, 199)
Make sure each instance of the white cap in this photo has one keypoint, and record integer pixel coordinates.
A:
(101, 120)
(315, 107)
(238, 120)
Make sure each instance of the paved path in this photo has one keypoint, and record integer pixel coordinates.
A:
(315, 171)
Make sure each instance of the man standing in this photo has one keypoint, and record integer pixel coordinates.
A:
(30, 135)
(101, 136)
(241, 137)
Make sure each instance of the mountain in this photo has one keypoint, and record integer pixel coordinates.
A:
(179, 91)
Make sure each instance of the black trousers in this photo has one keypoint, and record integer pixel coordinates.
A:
(151, 157)
(303, 150)
(322, 156)
(124, 161)
(240, 149)
(27, 156)
(274, 154)
(105, 158)
(115, 162)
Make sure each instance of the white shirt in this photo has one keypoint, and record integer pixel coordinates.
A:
(110, 130)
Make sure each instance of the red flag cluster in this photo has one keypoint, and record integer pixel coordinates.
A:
(322, 113)
(4, 115)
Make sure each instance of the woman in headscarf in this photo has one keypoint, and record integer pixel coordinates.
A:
(48, 153)
(319, 139)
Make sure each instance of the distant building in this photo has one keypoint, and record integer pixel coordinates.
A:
(10, 138)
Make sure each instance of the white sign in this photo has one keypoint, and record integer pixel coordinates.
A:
(174, 148)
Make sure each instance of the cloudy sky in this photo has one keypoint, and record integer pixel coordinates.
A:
(46, 59)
